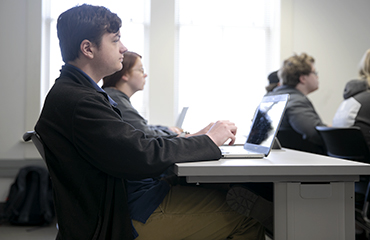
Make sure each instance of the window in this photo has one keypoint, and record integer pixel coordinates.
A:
(226, 49)
(135, 16)
(223, 53)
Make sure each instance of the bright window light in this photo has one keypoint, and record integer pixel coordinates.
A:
(226, 49)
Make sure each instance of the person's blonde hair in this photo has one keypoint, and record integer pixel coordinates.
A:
(364, 70)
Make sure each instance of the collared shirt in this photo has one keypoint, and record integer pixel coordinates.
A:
(93, 83)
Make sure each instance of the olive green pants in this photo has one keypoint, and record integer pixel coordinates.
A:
(197, 213)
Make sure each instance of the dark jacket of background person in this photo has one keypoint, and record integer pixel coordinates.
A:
(300, 115)
(355, 109)
(131, 115)
(90, 152)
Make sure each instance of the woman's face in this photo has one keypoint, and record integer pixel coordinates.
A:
(136, 77)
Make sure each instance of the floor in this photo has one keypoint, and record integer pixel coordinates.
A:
(10, 232)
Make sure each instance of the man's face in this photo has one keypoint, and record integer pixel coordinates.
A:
(312, 80)
(109, 56)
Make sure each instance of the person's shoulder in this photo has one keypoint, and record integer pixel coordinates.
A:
(284, 89)
(71, 90)
(117, 95)
(66, 90)
(111, 91)
(71, 81)
(363, 97)
(354, 87)
(296, 98)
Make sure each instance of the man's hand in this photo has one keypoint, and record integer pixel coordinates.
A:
(221, 131)
(202, 131)
(175, 130)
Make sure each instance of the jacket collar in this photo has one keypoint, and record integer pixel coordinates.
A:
(70, 69)
(287, 89)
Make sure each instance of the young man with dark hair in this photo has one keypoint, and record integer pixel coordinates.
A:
(91, 153)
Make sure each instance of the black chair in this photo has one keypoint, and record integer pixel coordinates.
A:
(349, 143)
(293, 140)
(32, 135)
(346, 143)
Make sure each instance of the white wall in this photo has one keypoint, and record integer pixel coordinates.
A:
(20, 43)
(334, 32)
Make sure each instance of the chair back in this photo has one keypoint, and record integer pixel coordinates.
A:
(32, 135)
(347, 143)
(293, 140)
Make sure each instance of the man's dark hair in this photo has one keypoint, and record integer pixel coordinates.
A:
(84, 22)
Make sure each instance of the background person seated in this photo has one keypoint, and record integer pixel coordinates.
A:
(297, 130)
(355, 109)
(273, 81)
(121, 85)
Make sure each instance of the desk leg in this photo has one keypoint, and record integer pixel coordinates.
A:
(320, 211)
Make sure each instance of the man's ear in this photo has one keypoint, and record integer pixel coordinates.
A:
(302, 79)
(87, 48)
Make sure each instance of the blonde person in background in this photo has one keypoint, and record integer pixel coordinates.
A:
(355, 109)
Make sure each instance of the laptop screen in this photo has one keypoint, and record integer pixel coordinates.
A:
(266, 123)
(181, 117)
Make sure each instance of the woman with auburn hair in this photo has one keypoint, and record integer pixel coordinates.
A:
(122, 85)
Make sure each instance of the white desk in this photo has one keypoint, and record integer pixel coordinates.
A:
(313, 194)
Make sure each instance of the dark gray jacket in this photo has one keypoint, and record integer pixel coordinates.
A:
(300, 115)
(131, 115)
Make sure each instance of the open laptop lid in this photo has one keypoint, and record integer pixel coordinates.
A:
(266, 123)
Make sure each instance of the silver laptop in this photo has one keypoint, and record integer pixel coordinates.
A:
(181, 117)
(265, 125)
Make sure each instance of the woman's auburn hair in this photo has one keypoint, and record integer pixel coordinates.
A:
(128, 63)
